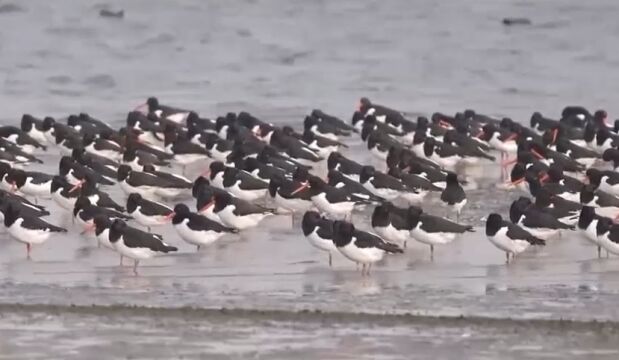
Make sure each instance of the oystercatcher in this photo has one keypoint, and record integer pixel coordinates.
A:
(238, 213)
(165, 112)
(243, 185)
(27, 229)
(587, 224)
(196, 229)
(318, 231)
(539, 223)
(453, 195)
(34, 128)
(147, 212)
(137, 159)
(433, 230)
(31, 183)
(385, 186)
(282, 191)
(19, 137)
(204, 202)
(215, 174)
(607, 181)
(355, 189)
(347, 167)
(102, 147)
(63, 193)
(608, 235)
(262, 171)
(84, 211)
(75, 172)
(137, 244)
(390, 225)
(509, 237)
(22, 205)
(360, 246)
(334, 202)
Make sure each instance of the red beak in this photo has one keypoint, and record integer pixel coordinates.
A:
(444, 124)
(206, 173)
(207, 206)
(480, 134)
(13, 186)
(168, 217)
(303, 186)
(537, 155)
(555, 132)
(90, 227)
(76, 186)
(140, 107)
(544, 178)
(516, 182)
(511, 137)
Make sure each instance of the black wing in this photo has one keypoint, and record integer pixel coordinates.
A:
(515, 232)
(436, 224)
(366, 240)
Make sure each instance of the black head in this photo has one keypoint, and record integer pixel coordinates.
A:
(413, 216)
(316, 183)
(599, 117)
(587, 214)
(133, 201)
(428, 146)
(205, 199)
(181, 212)
(288, 130)
(300, 174)
(342, 233)
(333, 160)
(101, 223)
(517, 208)
(221, 201)
(88, 139)
(366, 173)
(48, 123)
(368, 128)
(27, 122)
(310, 220)
(59, 182)
(4, 168)
(487, 132)
(493, 224)
(604, 225)
(309, 122)
(116, 230)
(123, 172)
(215, 168)
(507, 123)
(469, 114)
(274, 185)
(17, 177)
(452, 179)
(587, 193)
(611, 155)
(198, 185)
(594, 176)
(66, 163)
(396, 172)
(518, 172)
(153, 104)
(364, 104)
(535, 119)
(170, 135)
(394, 156)
(250, 164)
(555, 173)
(78, 154)
(149, 168)
(82, 202)
(423, 122)
(419, 137)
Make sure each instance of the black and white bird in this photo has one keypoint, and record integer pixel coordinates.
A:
(215, 174)
(453, 195)
(334, 202)
(608, 235)
(605, 203)
(147, 212)
(178, 116)
(386, 186)
(97, 197)
(31, 183)
(433, 230)
(355, 189)
(243, 185)
(539, 223)
(137, 244)
(319, 232)
(349, 168)
(27, 229)
(285, 195)
(238, 213)
(361, 247)
(34, 128)
(607, 181)
(587, 224)
(84, 212)
(196, 229)
(390, 224)
(509, 237)
(21, 204)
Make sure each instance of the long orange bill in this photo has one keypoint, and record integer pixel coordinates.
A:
(206, 173)
(555, 132)
(13, 186)
(444, 124)
(77, 186)
(512, 136)
(516, 182)
(303, 186)
(480, 134)
(90, 227)
(207, 206)
(544, 178)
(537, 155)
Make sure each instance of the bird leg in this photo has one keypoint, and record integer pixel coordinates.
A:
(363, 270)
(405, 242)
(148, 228)
(197, 247)
(506, 257)
(28, 251)
(330, 260)
(431, 252)
(135, 267)
(121, 260)
(368, 271)
(599, 251)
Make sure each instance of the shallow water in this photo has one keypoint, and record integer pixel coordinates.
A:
(279, 60)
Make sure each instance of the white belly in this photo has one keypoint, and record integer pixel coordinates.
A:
(363, 256)
(26, 235)
(294, 204)
(501, 241)
(133, 253)
(42, 189)
(65, 203)
(196, 237)
(432, 238)
(608, 245)
(104, 239)
(392, 234)
(386, 194)
(148, 220)
(239, 222)
(320, 243)
(148, 192)
(336, 210)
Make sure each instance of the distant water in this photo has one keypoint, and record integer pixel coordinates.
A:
(280, 59)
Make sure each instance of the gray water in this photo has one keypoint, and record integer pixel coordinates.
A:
(279, 60)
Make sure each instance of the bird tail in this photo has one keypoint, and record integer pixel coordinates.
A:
(53, 228)
(487, 156)
(167, 248)
(536, 241)
(390, 248)
(233, 230)
(469, 228)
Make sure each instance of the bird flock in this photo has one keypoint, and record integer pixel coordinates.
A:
(252, 169)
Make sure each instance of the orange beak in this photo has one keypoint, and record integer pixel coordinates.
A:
(511, 137)
(585, 180)
(140, 107)
(168, 217)
(544, 178)
(90, 227)
(480, 134)
(516, 182)
(207, 206)
(303, 186)
(76, 186)
(13, 186)
(206, 173)
(537, 155)
(444, 124)
(555, 132)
